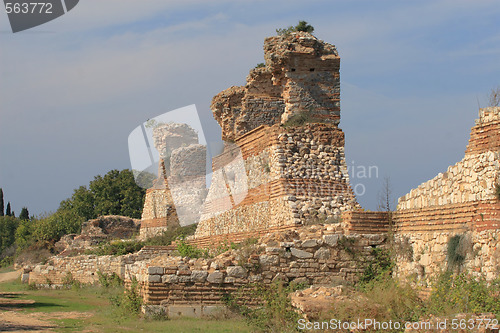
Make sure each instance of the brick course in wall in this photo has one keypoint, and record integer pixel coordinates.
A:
(315, 254)
(460, 201)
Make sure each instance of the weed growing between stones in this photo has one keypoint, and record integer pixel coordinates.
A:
(70, 282)
(497, 191)
(381, 299)
(167, 237)
(347, 244)
(378, 268)
(300, 119)
(458, 247)
(275, 314)
(191, 251)
(109, 280)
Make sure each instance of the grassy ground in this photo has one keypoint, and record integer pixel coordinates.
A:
(88, 309)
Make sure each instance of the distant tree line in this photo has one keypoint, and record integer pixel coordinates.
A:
(115, 193)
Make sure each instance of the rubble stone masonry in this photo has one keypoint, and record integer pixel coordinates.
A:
(286, 165)
(460, 201)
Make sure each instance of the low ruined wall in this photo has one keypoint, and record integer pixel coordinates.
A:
(424, 255)
(85, 268)
(314, 255)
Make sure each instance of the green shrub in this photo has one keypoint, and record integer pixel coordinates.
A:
(462, 293)
(109, 280)
(382, 299)
(457, 249)
(171, 235)
(497, 191)
(191, 251)
(302, 26)
(8, 227)
(275, 314)
(53, 227)
(260, 65)
(380, 267)
(6, 262)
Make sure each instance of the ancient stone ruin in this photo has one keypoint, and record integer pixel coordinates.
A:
(284, 125)
(177, 195)
(459, 202)
(282, 181)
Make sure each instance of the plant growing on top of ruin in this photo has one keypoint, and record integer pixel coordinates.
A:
(191, 251)
(260, 65)
(302, 26)
(497, 191)
(167, 237)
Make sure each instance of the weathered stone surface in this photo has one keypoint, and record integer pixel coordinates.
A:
(171, 278)
(236, 271)
(215, 277)
(268, 260)
(301, 254)
(301, 76)
(309, 243)
(156, 270)
(199, 276)
(154, 278)
(322, 253)
(331, 240)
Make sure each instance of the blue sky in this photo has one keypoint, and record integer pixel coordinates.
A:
(412, 73)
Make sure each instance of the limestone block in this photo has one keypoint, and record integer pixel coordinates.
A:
(268, 260)
(156, 270)
(154, 278)
(301, 254)
(236, 271)
(199, 276)
(309, 243)
(322, 253)
(331, 240)
(215, 277)
(171, 278)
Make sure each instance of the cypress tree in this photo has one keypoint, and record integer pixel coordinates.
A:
(1, 202)
(7, 210)
(24, 215)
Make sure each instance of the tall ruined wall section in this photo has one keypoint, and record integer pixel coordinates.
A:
(301, 77)
(460, 201)
(286, 165)
(177, 194)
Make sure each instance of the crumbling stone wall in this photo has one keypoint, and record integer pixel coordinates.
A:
(95, 231)
(318, 254)
(85, 268)
(300, 77)
(178, 194)
(295, 175)
(459, 201)
(292, 167)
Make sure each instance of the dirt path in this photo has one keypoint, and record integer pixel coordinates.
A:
(14, 319)
(4, 277)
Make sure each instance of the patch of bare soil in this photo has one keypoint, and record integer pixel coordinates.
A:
(14, 319)
(4, 277)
